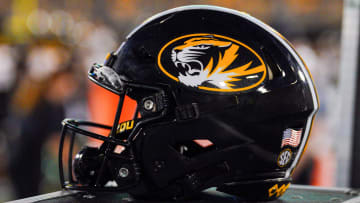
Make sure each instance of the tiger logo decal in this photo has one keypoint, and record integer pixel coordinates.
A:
(212, 62)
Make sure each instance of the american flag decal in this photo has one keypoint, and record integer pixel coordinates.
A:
(291, 137)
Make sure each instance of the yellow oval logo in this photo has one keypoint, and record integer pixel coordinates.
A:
(212, 62)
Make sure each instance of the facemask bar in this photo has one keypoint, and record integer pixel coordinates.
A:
(73, 126)
(107, 78)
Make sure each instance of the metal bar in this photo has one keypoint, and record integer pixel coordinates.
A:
(347, 85)
(61, 169)
(71, 147)
(108, 146)
(94, 135)
(355, 158)
(117, 115)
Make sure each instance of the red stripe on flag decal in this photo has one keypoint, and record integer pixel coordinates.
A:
(291, 137)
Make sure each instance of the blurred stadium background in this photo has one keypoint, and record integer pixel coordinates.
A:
(47, 46)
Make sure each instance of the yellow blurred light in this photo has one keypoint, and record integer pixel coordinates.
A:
(16, 23)
(39, 22)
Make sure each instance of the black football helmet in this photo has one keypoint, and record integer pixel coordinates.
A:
(223, 101)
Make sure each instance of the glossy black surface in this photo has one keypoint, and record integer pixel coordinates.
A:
(246, 127)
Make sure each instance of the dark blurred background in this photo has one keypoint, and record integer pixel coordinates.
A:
(46, 47)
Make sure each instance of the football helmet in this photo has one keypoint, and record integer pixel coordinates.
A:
(223, 100)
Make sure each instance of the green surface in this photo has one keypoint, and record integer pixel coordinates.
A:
(318, 194)
(296, 193)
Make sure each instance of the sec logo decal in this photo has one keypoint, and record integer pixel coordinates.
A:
(212, 62)
(284, 157)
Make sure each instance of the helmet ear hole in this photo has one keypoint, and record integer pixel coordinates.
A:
(204, 142)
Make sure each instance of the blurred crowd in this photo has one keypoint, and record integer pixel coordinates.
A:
(47, 46)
